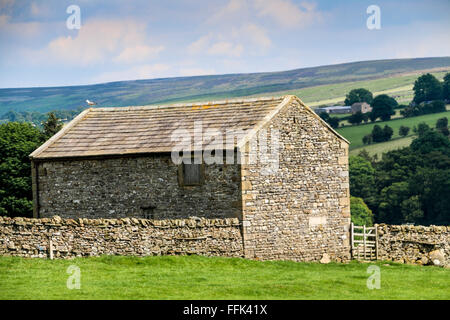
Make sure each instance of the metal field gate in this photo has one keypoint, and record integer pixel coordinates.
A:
(364, 243)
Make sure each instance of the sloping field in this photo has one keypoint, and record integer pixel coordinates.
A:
(380, 148)
(355, 133)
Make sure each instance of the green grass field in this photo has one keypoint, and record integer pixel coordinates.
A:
(195, 277)
(355, 133)
(380, 148)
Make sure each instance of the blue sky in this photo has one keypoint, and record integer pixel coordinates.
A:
(125, 40)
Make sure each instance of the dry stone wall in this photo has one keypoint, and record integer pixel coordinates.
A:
(414, 244)
(67, 238)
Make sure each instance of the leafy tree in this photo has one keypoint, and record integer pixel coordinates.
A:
(442, 126)
(324, 115)
(403, 131)
(413, 110)
(423, 108)
(422, 127)
(432, 187)
(362, 178)
(437, 106)
(413, 183)
(442, 123)
(358, 95)
(377, 134)
(333, 122)
(387, 133)
(412, 210)
(13, 116)
(445, 131)
(38, 118)
(365, 155)
(427, 88)
(360, 212)
(401, 106)
(367, 139)
(356, 118)
(17, 141)
(383, 107)
(365, 117)
(446, 87)
(51, 126)
(391, 199)
(372, 116)
(429, 141)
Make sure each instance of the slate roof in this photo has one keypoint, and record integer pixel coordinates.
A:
(149, 129)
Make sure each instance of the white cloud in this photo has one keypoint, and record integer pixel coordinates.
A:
(38, 9)
(102, 40)
(256, 34)
(233, 42)
(138, 53)
(6, 4)
(19, 29)
(212, 44)
(224, 48)
(199, 45)
(286, 13)
(3, 20)
(232, 10)
(187, 72)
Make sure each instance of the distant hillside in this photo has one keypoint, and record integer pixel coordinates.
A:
(167, 90)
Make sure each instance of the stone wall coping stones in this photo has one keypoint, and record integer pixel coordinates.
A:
(57, 221)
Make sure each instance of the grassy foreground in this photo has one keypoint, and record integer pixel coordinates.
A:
(195, 277)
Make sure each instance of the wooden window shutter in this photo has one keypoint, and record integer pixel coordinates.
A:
(192, 174)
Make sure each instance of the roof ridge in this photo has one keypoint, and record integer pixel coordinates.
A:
(192, 104)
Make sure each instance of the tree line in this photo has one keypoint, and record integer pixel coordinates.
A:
(17, 141)
(409, 185)
(38, 118)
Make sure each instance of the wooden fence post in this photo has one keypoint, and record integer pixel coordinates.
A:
(376, 242)
(364, 241)
(51, 247)
(351, 237)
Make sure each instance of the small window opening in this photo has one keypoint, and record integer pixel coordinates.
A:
(148, 212)
(192, 174)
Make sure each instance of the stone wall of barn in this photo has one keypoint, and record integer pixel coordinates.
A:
(301, 211)
(140, 187)
(68, 238)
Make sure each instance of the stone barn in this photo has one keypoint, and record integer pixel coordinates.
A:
(270, 162)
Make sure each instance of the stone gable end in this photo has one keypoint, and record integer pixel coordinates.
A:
(302, 211)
